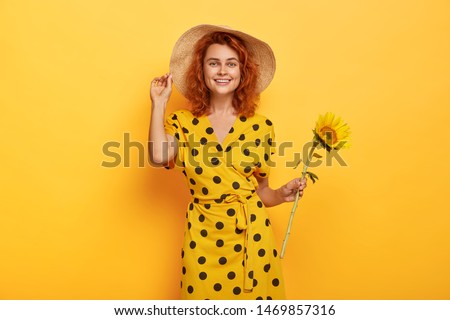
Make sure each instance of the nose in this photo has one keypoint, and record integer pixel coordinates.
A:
(222, 70)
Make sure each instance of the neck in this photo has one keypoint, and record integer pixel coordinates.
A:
(222, 104)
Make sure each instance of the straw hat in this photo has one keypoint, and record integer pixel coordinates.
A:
(184, 47)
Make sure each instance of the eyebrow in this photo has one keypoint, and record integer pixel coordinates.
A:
(217, 59)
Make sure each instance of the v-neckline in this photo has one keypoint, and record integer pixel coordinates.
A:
(227, 135)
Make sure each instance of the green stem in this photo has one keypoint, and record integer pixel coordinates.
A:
(297, 197)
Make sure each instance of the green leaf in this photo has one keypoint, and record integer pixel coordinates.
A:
(312, 176)
(299, 161)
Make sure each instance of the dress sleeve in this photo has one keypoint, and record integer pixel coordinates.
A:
(173, 126)
(268, 150)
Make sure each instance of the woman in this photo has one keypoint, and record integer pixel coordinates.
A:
(224, 149)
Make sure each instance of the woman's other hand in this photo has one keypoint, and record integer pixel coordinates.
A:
(289, 190)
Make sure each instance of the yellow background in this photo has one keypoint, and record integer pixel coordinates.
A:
(75, 75)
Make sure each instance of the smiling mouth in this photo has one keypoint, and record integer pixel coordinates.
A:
(222, 81)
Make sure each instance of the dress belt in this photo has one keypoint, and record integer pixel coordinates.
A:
(242, 223)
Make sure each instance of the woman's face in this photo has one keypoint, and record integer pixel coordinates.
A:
(221, 69)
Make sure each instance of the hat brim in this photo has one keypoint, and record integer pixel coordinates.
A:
(182, 55)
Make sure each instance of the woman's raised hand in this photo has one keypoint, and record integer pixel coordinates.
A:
(160, 89)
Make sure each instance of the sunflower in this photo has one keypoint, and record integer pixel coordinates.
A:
(331, 132)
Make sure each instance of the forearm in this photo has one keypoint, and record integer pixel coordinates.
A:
(158, 140)
(269, 196)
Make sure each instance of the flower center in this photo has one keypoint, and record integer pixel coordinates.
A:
(329, 135)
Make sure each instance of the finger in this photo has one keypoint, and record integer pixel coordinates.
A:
(293, 184)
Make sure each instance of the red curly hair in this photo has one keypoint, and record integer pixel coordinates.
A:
(245, 97)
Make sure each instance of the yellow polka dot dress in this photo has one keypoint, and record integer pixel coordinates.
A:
(229, 249)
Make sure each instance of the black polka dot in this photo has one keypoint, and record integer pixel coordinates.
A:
(215, 161)
(192, 244)
(177, 136)
(183, 270)
(267, 222)
(261, 252)
(204, 233)
(238, 231)
(237, 248)
(189, 225)
(259, 298)
(218, 200)
(266, 157)
(222, 260)
(252, 217)
(194, 152)
(259, 204)
(236, 290)
(196, 200)
(201, 260)
(262, 174)
(205, 191)
(268, 122)
(250, 274)
(255, 127)
(217, 179)
(174, 117)
(217, 287)
(242, 137)
(182, 253)
(258, 142)
(209, 130)
(219, 243)
(185, 130)
(258, 164)
(202, 275)
(173, 124)
(192, 191)
(255, 282)
(276, 282)
(195, 121)
(236, 185)
(228, 149)
(201, 218)
(269, 141)
(219, 148)
(267, 267)
(207, 206)
(247, 152)
(257, 237)
(192, 181)
(219, 225)
(198, 170)
(242, 118)
(190, 289)
(231, 275)
(269, 298)
(275, 253)
(231, 212)
(247, 169)
(231, 130)
(223, 196)
(203, 141)
(191, 206)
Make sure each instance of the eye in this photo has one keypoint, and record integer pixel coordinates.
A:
(232, 64)
(213, 64)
